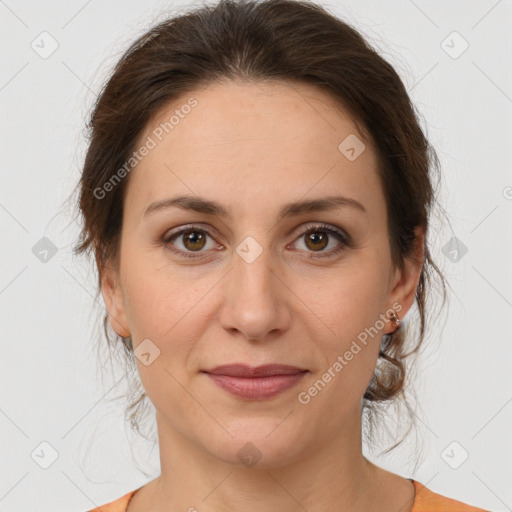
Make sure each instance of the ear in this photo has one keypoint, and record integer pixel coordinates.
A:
(114, 301)
(405, 282)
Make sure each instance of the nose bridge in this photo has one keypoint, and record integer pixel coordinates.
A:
(253, 269)
(252, 304)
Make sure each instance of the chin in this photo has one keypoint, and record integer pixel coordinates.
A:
(259, 443)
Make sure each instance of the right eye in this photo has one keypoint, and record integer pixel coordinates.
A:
(192, 238)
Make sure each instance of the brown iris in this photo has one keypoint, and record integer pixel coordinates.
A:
(196, 239)
(319, 241)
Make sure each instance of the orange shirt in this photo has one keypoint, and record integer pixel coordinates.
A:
(425, 501)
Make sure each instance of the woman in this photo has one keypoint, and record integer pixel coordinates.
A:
(257, 192)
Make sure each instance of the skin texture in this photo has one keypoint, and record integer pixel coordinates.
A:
(254, 147)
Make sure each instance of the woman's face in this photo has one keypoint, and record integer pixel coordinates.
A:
(249, 286)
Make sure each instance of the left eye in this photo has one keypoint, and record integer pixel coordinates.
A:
(317, 238)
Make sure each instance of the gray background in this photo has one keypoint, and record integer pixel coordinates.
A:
(49, 390)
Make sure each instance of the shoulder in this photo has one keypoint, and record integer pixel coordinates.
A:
(429, 501)
(424, 501)
(119, 505)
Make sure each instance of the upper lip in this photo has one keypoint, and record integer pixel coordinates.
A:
(243, 370)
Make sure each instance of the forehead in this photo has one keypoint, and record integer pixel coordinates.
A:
(251, 143)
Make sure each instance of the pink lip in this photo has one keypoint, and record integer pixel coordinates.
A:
(256, 383)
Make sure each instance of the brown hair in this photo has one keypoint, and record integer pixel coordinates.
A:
(285, 40)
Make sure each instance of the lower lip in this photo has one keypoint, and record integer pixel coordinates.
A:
(256, 388)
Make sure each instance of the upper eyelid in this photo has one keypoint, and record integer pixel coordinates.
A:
(302, 231)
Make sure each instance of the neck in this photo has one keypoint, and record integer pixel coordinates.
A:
(331, 474)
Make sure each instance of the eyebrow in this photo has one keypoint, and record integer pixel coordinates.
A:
(209, 207)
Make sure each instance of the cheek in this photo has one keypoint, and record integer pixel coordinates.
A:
(349, 306)
(164, 307)
(348, 300)
(155, 297)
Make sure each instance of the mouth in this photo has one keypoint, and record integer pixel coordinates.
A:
(256, 383)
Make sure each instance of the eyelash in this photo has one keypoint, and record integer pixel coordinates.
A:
(342, 238)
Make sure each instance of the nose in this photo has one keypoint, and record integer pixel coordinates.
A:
(256, 298)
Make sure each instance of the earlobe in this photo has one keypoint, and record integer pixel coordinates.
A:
(114, 302)
(404, 291)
